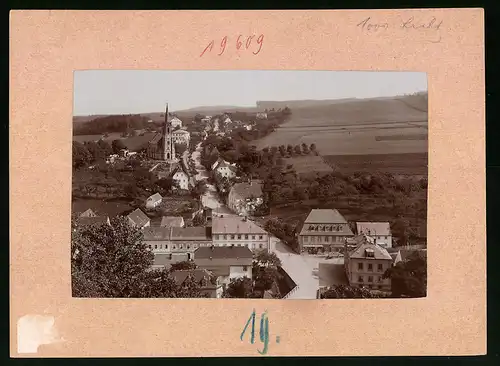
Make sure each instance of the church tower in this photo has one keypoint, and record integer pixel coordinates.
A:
(168, 142)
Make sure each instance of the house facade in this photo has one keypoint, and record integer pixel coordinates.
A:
(181, 178)
(323, 231)
(154, 200)
(177, 243)
(245, 198)
(226, 263)
(366, 263)
(379, 231)
(175, 122)
(228, 231)
(181, 137)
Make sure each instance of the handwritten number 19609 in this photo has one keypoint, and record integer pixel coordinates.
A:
(240, 42)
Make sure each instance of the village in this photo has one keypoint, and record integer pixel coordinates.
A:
(224, 240)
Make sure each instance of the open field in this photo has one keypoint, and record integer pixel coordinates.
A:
(373, 126)
(398, 164)
(309, 163)
(110, 208)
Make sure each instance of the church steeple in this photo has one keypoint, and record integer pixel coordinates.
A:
(168, 143)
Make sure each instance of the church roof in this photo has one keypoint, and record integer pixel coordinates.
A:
(156, 138)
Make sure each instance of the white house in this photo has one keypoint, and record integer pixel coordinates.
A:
(175, 122)
(226, 263)
(224, 169)
(181, 137)
(227, 120)
(181, 178)
(154, 200)
(379, 231)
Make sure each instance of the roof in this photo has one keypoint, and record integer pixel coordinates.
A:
(218, 161)
(367, 243)
(174, 119)
(247, 190)
(88, 211)
(177, 233)
(157, 233)
(325, 216)
(170, 221)
(225, 164)
(97, 220)
(198, 275)
(156, 138)
(326, 229)
(373, 228)
(155, 197)
(138, 217)
(223, 252)
(234, 225)
(182, 132)
(190, 233)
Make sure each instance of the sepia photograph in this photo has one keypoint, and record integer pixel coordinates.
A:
(249, 184)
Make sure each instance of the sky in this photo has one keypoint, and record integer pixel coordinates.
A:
(142, 91)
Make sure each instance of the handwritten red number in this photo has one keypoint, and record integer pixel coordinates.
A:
(238, 43)
(259, 42)
(210, 45)
(249, 41)
(223, 45)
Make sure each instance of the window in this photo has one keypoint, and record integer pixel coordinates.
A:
(156, 246)
(188, 246)
(380, 267)
(379, 279)
(360, 279)
(379, 286)
(174, 246)
(360, 266)
(370, 278)
(260, 236)
(319, 239)
(253, 237)
(239, 236)
(195, 245)
(370, 267)
(246, 236)
(149, 246)
(181, 246)
(166, 246)
(260, 246)
(225, 237)
(232, 237)
(245, 268)
(253, 246)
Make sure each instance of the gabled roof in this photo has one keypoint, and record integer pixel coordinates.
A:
(97, 220)
(325, 216)
(247, 190)
(373, 228)
(155, 197)
(235, 225)
(88, 213)
(198, 276)
(190, 233)
(368, 244)
(181, 132)
(157, 233)
(156, 138)
(172, 221)
(223, 252)
(138, 217)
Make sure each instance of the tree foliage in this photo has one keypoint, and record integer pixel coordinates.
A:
(349, 292)
(113, 261)
(409, 277)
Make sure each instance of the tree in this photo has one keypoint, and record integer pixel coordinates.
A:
(105, 147)
(81, 156)
(113, 261)
(298, 150)
(117, 146)
(348, 292)
(240, 288)
(165, 183)
(409, 277)
(313, 148)
(305, 149)
(199, 189)
(184, 265)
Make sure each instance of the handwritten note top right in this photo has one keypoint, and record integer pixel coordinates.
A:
(430, 27)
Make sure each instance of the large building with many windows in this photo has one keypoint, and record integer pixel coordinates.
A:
(324, 230)
(238, 231)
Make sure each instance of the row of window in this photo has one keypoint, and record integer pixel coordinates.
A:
(380, 267)
(234, 237)
(195, 246)
(323, 239)
(370, 279)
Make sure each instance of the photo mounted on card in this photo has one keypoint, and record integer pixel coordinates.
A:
(198, 188)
